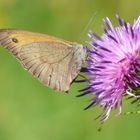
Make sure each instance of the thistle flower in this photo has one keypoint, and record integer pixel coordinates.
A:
(113, 65)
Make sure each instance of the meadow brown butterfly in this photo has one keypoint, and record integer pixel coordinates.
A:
(54, 62)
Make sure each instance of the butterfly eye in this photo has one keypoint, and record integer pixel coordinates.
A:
(15, 40)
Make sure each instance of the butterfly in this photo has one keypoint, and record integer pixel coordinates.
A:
(53, 61)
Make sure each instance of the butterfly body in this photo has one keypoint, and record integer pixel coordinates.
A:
(54, 62)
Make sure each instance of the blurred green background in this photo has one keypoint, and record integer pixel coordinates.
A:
(30, 111)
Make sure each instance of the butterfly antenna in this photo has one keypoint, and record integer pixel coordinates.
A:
(88, 24)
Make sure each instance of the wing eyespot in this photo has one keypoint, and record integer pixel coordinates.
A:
(15, 40)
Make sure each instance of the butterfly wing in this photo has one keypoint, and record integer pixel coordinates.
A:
(54, 62)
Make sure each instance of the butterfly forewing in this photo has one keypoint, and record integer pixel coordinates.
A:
(52, 61)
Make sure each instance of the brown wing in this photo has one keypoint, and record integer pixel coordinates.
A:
(52, 61)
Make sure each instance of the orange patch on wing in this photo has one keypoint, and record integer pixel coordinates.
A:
(27, 38)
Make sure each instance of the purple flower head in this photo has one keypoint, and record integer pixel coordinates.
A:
(113, 65)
